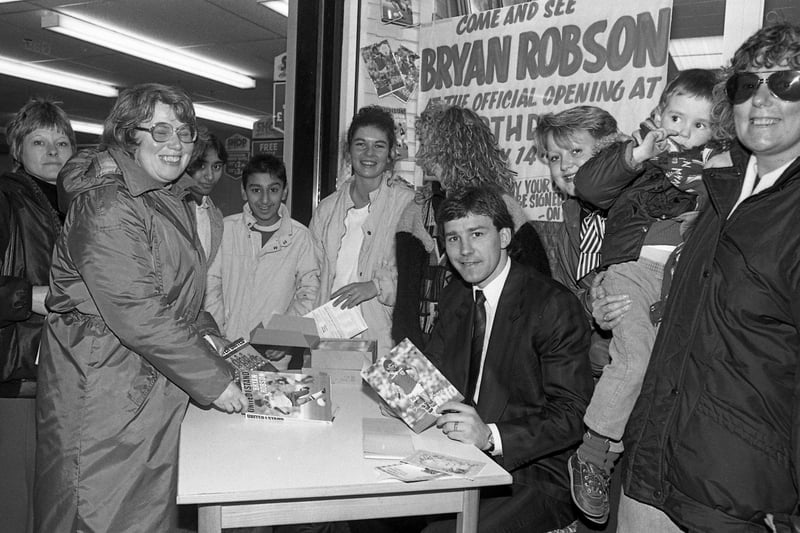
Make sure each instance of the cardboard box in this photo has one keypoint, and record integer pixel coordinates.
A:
(343, 354)
(337, 376)
(293, 335)
(285, 330)
(342, 359)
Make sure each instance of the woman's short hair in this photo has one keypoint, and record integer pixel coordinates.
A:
(461, 144)
(135, 105)
(595, 121)
(769, 47)
(377, 117)
(37, 113)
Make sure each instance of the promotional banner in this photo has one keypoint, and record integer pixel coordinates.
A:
(512, 64)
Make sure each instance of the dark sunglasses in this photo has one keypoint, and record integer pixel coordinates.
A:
(162, 132)
(785, 84)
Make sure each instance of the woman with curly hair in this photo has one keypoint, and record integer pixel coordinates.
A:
(457, 150)
(717, 422)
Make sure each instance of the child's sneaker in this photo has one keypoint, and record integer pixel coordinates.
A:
(589, 488)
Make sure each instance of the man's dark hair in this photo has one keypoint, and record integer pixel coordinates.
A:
(266, 164)
(485, 200)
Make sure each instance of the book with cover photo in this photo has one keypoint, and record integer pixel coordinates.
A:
(244, 357)
(411, 385)
(287, 396)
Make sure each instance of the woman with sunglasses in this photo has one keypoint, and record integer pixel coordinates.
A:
(123, 348)
(712, 444)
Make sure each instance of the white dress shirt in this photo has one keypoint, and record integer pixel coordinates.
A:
(492, 293)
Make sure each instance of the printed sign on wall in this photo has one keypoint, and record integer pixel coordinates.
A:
(512, 64)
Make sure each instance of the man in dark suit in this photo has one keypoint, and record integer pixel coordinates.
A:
(526, 379)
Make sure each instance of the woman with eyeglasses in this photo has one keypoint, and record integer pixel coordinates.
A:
(123, 348)
(712, 444)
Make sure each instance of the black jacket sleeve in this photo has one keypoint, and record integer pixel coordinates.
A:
(526, 248)
(601, 180)
(411, 260)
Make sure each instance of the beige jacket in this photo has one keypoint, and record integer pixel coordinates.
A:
(376, 261)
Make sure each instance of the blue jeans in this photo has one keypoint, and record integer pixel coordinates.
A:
(618, 387)
(637, 517)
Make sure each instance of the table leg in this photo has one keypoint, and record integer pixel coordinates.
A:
(467, 520)
(209, 519)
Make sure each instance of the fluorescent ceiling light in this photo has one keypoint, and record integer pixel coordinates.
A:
(86, 127)
(697, 52)
(226, 117)
(48, 76)
(146, 49)
(278, 6)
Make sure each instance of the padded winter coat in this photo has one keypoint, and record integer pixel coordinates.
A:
(635, 200)
(122, 350)
(713, 439)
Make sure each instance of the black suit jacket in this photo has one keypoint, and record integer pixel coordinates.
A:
(536, 378)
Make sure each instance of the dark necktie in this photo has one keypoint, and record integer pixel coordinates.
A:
(476, 351)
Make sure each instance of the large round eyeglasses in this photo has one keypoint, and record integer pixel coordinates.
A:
(162, 132)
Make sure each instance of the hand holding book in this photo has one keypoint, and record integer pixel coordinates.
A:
(411, 385)
(461, 422)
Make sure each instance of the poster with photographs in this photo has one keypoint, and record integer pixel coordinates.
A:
(382, 68)
(400, 120)
(406, 62)
(397, 12)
